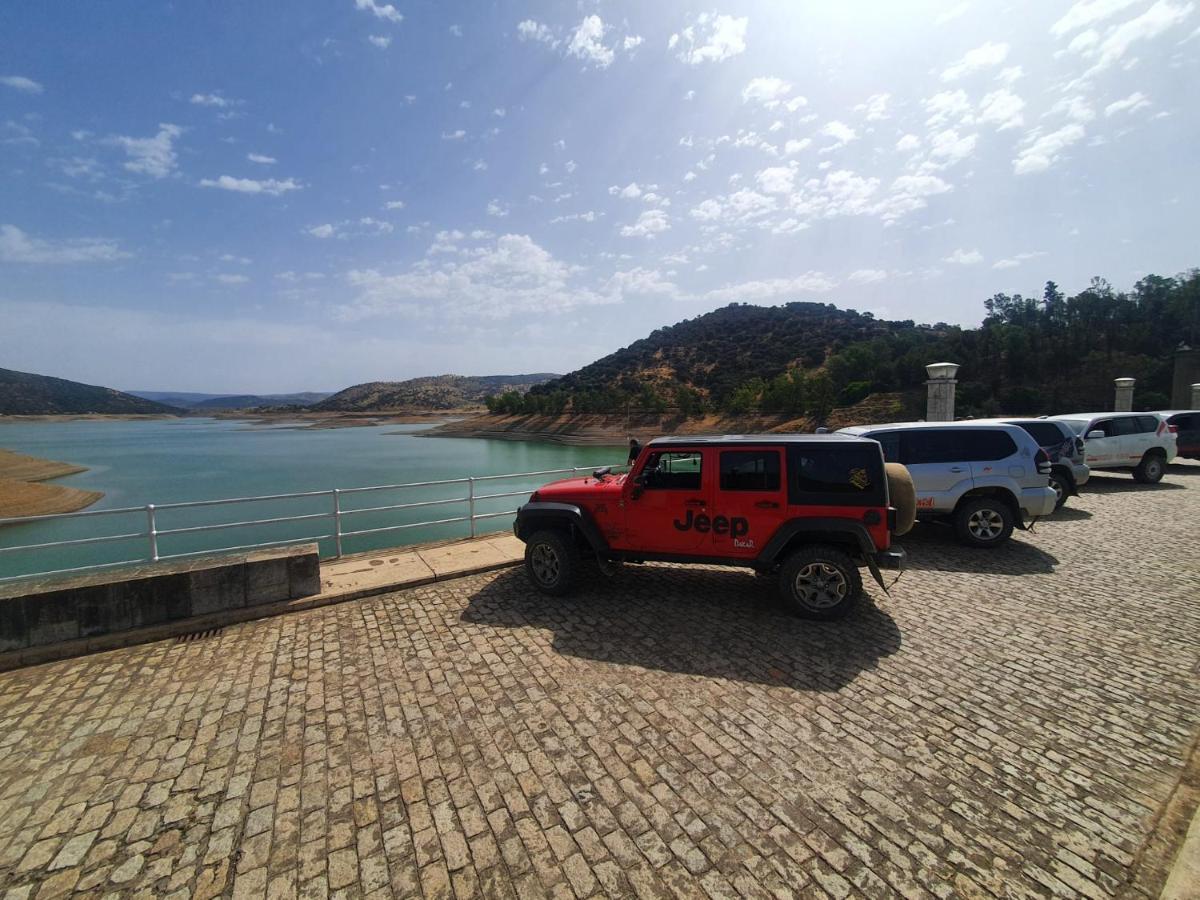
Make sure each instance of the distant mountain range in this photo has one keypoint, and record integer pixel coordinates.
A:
(186, 400)
(434, 392)
(26, 394)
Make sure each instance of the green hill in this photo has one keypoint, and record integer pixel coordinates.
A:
(433, 392)
(26, 394)
(1031, 355)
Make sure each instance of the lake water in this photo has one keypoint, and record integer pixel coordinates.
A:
(176, 460)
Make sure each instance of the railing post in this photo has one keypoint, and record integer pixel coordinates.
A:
(152, 532)
(337, 523)
(471, 503)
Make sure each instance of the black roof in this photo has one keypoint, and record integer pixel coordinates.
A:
(756, 439)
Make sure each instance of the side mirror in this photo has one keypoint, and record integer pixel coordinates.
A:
(639, 483)
(1096, 434)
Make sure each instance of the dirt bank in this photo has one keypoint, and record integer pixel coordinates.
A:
(597, 430)
(22, 494)
(322, 420)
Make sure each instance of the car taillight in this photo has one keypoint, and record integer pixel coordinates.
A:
(1173, 429)
(1043, 461)
(1079, 448)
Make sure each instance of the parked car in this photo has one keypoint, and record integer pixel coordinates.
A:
(984, 478)
(806, 509)
(1186, 423)
(1139, 442)
(1068, 471)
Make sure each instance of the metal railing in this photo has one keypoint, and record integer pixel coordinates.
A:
(337, 513)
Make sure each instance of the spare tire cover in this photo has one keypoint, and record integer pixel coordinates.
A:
(903, 496)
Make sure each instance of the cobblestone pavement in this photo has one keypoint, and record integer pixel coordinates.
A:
(1004, 724)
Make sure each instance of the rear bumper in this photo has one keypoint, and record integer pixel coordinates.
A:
(1038, 502)
(893, 559)
(1081, 474)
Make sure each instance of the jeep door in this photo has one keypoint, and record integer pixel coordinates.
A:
(750, 502)
(670, 510)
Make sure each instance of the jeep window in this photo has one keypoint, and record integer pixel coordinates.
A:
(935, 445)
(1147, 424)
(1047, 434)
(1105, 425)
(836, 475)
(675, 470)
(750, 470)
(986, 445)
(1123, 426)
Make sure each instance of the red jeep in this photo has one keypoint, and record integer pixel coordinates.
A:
(810, 509)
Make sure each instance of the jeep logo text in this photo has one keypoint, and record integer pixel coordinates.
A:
(735, 527)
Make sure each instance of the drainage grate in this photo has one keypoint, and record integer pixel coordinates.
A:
(194, 636)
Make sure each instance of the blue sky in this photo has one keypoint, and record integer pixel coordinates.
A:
(301, 196)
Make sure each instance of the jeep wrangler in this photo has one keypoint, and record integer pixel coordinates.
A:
(808, 510)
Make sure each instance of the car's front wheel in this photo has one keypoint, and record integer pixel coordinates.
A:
(552, 562)
(820, 582)
(983, 522)
(1151, 469)
(1062, 488)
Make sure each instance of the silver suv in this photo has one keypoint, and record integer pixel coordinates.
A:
(984, 478)
(1141, 442)
(1068, 471)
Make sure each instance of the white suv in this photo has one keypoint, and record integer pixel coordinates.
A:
(1141, 442)
(1068, 471)
(982, 477)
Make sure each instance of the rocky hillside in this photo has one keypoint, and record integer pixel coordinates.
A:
(433, 392)
(26, 394)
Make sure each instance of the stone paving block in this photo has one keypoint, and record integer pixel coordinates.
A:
(1001, 724)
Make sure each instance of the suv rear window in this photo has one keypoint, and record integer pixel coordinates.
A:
(1047, 434)
(836, 474)
(750, 470)
(1147, 424)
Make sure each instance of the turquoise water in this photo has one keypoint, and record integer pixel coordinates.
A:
(176, 460)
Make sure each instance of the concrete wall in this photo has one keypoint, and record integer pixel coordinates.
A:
(49, 611)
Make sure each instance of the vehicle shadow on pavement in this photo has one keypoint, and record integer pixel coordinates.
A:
(1114, 484)
(1066, 513)
(932, 547)
(705, 622)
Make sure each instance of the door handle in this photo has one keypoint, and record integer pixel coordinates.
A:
(694, 503)
(957, 469)
(767, 504)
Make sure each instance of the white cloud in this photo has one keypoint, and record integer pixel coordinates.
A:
(713, 38)
(384, 11)
(648, 224)
(529, 30)
(908, 143)
(495, 208)
(379, 40)
(251, 186)
(570, 165)
(767, 90)
(1010, 75)
(496, 281)
(1001, 108)
(949, 146)
(1135, 101)
(1041, 151)
(1077, 108)
(214, 100)
(961, 257)
(1087, 12)
(22, 84)
(1160, 17)
(1013, 261)
(224, 278)
(153, 156)
(776, 180)
(946, 106)
(322, 231)
(453, 135)
(951, 13)
(18, 247)
(394, 204)
(867, 276)
(587, 42)
(632, 41)
(981, 57)
(262, 160)
(841, 133)
(908, 193)
(589, 216)
(631, 191)
(456, 30)
(795, 146)
(770, 288)
(875, 108)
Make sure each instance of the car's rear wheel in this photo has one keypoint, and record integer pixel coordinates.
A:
(552, 562)
(1062, 488)
(983, 522)
(1150, 470)
(820, 582)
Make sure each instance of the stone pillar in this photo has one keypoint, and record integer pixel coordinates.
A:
(1195, 397)
(1124, 400)
(1187, 373)
(940, 406)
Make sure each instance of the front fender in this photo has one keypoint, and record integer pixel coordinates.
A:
(537, 514)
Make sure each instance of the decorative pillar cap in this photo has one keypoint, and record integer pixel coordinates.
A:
(1124, 382)
(943, 371)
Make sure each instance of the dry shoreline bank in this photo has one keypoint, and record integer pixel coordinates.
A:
(23, 494)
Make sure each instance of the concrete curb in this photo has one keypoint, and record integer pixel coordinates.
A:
(53, 652)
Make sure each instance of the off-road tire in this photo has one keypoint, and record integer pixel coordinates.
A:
(983, 522)
(1062, 488)
(902, 494)
(819, 582)
(552, 561)
(1151, 469)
